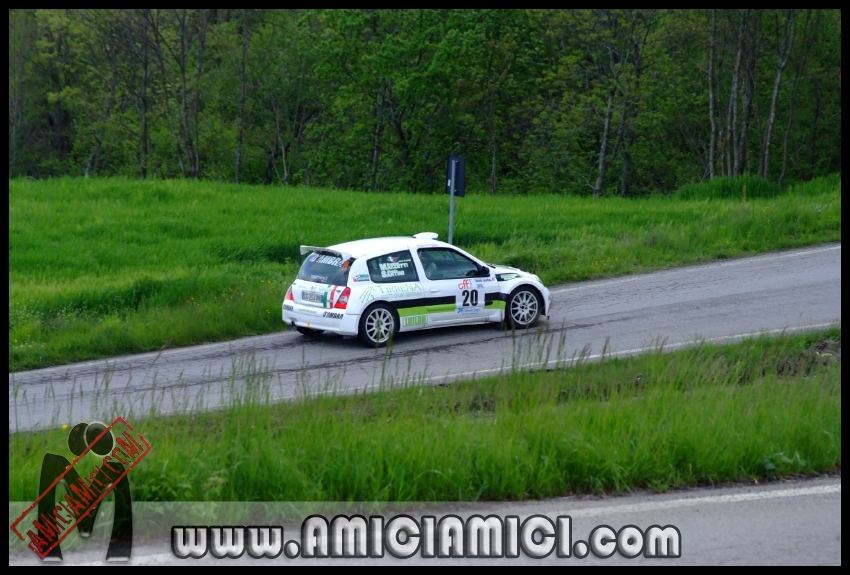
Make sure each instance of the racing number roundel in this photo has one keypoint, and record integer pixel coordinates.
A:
(468, 297)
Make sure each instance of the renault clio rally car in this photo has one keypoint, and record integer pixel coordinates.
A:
(375, 288)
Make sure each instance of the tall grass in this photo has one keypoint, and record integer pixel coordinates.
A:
(102, 267)
(752, 187)
(763, 408)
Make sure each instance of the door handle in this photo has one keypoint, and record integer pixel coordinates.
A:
(435, 290)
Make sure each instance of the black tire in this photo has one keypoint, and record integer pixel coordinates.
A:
(309, 332)
(523, 308)
(378, 325)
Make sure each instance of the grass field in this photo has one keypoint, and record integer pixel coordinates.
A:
(103, 267)
(760, 409)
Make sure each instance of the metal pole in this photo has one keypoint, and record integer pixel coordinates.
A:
(452, 201)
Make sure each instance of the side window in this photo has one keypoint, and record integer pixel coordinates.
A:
(445, 264)
(395, 267)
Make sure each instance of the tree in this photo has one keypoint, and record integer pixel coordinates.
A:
(712, 46)
(242, 89)
(26, 110)
(565, 101)
(180, 42)
(784, 43)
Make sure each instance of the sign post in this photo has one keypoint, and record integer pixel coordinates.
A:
(455, 186)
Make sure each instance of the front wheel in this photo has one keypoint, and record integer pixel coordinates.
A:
(378, 325)
(523, 308)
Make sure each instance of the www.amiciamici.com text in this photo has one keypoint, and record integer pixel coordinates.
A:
(403, 536)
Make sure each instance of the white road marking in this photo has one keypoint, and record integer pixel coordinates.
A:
(157, 559)
(692, 268)
(639, 350)
(556, 362)
(694, 501)
(649, 506)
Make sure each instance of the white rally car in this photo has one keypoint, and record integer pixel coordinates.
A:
(377, 287)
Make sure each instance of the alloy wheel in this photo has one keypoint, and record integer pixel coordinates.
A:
(524, 308)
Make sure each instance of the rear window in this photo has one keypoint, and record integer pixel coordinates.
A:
(327, 269)
(395, 267)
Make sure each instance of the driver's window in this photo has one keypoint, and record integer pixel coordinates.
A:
(446, 264)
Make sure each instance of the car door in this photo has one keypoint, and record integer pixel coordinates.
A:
(455, 286)
(395, 280)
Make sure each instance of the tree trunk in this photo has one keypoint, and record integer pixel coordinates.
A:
(284, 146)
(184, 92)
(787, 132)
(492, 149)
(161, 60)
(603, 146)
(113, 85)
(189, 115)
(734, 96)
(22, 28)
(784, 52)
(744, 127)
(713, 141)
(240, 119)
(373, 174)
(814, 134)
(748, 89)
(60, 119)
(98, 139)
(143, 171)
(376, 140)
(730, 127)
(800, 65)
(276, 149)
(726, 139)
(196, 104)
(624, 175)
(271, 166)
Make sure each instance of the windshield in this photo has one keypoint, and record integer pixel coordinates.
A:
(325, 268)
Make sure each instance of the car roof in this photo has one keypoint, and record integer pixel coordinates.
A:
(360, 248)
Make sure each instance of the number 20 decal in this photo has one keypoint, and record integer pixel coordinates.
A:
(470, 298)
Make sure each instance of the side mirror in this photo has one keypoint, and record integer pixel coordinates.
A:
(484, 272)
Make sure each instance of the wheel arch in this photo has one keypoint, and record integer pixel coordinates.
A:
(375, 302)
(534, 288)
(369, 307)
(507, 318)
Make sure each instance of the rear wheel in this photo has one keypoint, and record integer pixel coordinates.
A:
(378, 325)
(523, 308)
(309, 332)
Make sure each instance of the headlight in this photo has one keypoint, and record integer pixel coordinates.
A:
(506, 277)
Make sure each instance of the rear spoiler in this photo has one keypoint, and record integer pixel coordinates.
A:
(307, 249)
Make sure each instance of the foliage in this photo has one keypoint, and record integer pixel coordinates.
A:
(591, 101)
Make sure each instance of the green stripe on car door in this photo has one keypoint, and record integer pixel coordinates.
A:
(419, 310)
(409, 311)
(441, 308)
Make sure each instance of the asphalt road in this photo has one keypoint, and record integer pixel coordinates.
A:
(791, 522)
(795, 290)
